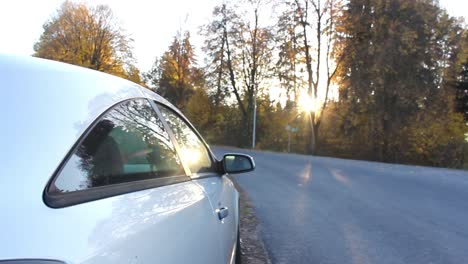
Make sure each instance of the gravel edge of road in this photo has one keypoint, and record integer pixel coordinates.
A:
(253, 250)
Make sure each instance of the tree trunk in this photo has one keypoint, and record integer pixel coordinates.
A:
(309, 75)
(313, 130)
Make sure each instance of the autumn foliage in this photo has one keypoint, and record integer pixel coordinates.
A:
(387, 79)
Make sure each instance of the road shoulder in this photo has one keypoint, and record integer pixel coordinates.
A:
(253, 249)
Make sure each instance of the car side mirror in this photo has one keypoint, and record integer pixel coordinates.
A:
(238, 163)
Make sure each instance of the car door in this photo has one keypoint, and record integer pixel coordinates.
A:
(203, 171)
(123, 196)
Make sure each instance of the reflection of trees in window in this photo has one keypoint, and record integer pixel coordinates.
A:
(129, 143)
(137, 117)
(99, 155)
(193, 150)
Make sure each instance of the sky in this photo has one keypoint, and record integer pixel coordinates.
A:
(151, 23)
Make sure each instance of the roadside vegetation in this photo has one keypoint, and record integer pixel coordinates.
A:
(383, 80)
(253, 250)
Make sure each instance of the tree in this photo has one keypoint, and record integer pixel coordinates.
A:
(215, 47)
(89, 37)
(153, 76)
(222, 34)
(255, 48)
(396, 78)
(461, 78)
(307, 37)
(289, 54)
(239, 53)
(397, 64)
(462, 91)
(175, 75)
(199, 111)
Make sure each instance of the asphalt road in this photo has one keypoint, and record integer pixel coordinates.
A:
(326, 210)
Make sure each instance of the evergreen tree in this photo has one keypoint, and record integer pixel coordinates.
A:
(395, 75)
(175, 75)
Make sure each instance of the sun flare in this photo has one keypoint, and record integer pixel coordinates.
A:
(306, 103)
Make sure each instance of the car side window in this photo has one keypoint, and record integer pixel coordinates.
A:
(192, 149)
(128, 143)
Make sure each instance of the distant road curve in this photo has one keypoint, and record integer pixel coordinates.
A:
(327, 210)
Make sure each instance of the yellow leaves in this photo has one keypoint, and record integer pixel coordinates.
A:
(434, 139)
(88, 37)
(178, 77)
(198, 108)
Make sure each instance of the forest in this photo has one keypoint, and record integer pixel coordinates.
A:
(379, 80)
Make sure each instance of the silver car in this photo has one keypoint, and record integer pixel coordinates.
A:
(96, 169)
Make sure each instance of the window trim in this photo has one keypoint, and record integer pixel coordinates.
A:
(60, 200)
(214, 167)
(171, 136)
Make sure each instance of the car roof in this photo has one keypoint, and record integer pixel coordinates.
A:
(46, 106)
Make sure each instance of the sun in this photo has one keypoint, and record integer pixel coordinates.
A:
(306, 103)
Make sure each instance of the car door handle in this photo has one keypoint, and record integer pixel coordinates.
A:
(223, 212)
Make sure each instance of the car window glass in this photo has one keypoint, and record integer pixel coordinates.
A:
(127, 144)
(193, 151)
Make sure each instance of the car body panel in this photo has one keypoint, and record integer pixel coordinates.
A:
(46, 107)
(138, 227)
(223, 194)
(68, 97)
